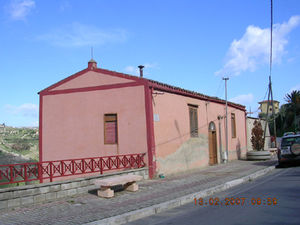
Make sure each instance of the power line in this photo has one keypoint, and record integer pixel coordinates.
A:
(217, 92)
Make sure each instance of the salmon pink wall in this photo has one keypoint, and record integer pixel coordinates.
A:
(73, 123)
(91, 79)
(175, 149)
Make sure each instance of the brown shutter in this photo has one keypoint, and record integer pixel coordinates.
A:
(193, 121)
(233, 126)
(110, 129)
(196, 122)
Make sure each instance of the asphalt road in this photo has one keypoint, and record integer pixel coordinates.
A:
(272, 199)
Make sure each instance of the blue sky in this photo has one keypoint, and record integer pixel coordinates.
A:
(187, 43)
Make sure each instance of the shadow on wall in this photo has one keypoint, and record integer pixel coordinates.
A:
(178, 130)
(238, 149)
(191, 154)
(181, 136)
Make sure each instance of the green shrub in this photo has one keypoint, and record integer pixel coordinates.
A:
(20, 146)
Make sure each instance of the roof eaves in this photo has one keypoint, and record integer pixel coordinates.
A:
(73, 76)
(178, 90)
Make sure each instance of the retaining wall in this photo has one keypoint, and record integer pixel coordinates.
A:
(38, 193)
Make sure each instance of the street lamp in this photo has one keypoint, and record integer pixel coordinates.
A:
(226, 122)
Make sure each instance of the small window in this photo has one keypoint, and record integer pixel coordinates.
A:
(233, 127)
(193, 111)
(110, 129)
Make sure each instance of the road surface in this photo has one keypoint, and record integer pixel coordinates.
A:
(272, 199)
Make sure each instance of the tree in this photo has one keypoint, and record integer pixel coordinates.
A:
(292, 111)
(293, 97)
(257, 139)
(288, 118)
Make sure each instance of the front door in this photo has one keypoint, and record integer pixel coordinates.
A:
(212, 136)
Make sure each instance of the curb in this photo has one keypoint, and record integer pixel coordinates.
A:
(158, 208)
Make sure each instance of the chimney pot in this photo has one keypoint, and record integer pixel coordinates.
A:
(141, 70)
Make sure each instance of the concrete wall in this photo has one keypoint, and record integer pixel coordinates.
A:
(34, 194)
(175, 149)
(72, 125)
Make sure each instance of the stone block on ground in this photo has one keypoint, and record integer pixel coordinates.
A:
(105, 193)
(132, 187)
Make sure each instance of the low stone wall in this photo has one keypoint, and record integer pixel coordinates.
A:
(37, 193)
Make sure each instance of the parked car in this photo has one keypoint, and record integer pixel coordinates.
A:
(289, 149)
(288, 133)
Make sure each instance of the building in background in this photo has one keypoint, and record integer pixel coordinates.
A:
(264, 107)
(98, 112)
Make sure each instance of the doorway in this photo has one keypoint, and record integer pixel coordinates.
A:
(212, 141)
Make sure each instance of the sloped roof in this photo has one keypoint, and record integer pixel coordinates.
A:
(151, 83)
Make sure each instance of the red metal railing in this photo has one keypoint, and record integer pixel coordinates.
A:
(25, 172)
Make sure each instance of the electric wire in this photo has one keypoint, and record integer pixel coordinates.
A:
(217, 92)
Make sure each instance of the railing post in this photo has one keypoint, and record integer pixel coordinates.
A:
(138, 160)
(143, 155)
(40, 172)
(11, 173)
(93, 169)
(82, 166)
(118, 164)
(73, 167)
(25, 173)
(109, 164)
(62, 167)
(101, 166)
(51, 172)
(131, 161)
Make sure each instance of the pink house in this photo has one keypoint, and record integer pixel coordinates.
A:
(97, 112)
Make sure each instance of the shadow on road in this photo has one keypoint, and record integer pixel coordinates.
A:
(288, 165)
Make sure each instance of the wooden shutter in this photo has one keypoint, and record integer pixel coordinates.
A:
(233, 126)
(110, 129)
(193, 113)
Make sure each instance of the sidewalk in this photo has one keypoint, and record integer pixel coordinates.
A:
(153, 196)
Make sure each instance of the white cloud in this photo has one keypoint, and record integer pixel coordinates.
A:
(19, 9)
(65, 5)
(243, 99)
(131, 70)
(78, 35)
(253, 48)
(150, 65)
(26, 110)
(136, 71)
(295, 88)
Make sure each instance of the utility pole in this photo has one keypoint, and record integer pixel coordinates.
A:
(270, 94)
(226, 121)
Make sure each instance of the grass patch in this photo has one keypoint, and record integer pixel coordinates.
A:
(20, 141)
